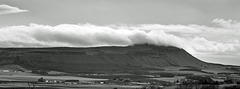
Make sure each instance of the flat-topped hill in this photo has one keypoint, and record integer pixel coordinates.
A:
(112, 58)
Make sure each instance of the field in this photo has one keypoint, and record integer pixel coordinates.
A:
(35, 78)
(64, 86)
(23, 80)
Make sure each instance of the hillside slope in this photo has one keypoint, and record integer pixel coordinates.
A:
(98, 58)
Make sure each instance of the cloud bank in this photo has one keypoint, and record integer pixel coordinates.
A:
(223, 39)
(6, 9)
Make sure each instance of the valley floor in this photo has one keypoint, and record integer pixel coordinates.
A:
(166, 78)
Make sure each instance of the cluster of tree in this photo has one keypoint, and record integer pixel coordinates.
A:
(183, 74)
(166, 74)
(229, 81)
(209, 87)
(152, 87)
(198, 87)
(232, 81)
(200, 80)
(225, 73)
(40, 72)
(205, 82)
(232, 87)
(238, 82)
(121, 79)
(41, 80)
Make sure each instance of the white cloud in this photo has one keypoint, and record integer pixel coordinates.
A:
(6, 9)
(229, 24)
(196, 39)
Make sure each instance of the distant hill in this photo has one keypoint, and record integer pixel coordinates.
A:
(92, 59)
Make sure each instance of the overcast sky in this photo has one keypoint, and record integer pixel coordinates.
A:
(208, 29)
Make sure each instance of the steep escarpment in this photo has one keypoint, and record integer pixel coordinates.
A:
(99, 58)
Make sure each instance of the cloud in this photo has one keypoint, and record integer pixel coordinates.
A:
(82, 35)
(6, 9)
(229, 24)
(223, 39)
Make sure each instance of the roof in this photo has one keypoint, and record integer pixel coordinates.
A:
(71, 80)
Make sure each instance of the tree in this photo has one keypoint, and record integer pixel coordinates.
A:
(41, 80)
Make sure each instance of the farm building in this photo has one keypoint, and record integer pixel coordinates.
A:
(71, 82)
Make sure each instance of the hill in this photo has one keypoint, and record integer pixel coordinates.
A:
(92, 59)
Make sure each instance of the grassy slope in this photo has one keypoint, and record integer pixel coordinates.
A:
(99, 58)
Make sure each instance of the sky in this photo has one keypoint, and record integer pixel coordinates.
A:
(208, 29)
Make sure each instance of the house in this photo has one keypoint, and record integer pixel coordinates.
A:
(71, 82)
(51, 81)
(140, 83)
(5, 71)
(87, 83)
